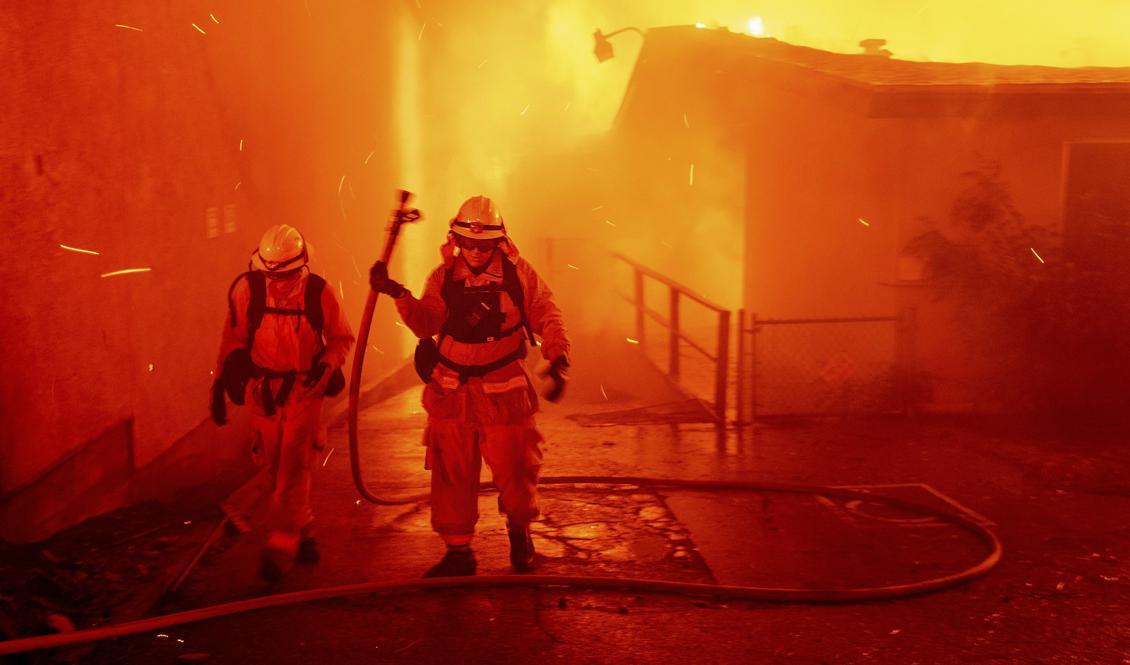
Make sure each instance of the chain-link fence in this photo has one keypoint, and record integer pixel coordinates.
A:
(826, 366)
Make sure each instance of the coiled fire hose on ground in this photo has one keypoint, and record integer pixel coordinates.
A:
(633, 585)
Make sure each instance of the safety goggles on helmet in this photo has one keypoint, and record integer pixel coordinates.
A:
(484, 245)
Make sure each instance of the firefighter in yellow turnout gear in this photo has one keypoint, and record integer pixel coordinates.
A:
(476, 320)
(283, 345)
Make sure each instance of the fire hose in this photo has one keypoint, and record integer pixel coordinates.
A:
(834, 595)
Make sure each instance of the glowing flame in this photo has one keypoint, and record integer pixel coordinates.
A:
(700, 25)
(755, 26)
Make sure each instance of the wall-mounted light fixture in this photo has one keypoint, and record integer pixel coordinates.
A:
(603, 48)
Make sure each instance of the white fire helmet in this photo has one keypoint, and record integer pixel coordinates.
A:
(281, 249)
(478, 218)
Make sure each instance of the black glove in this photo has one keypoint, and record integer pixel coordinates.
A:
(315, 374)
(219, 406)
(559, 372)
(380, 282)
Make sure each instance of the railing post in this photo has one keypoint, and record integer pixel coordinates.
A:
(673, 335)
(723, 366)
(907, 331)
(639, 306)
(752, 367)
(739, 379)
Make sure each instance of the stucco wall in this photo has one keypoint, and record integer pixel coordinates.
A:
(127, 142)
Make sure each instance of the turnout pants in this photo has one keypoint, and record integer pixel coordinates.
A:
(455, 453)
(286, 446)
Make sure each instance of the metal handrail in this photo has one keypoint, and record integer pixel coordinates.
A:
(663, 279)
(677, 291)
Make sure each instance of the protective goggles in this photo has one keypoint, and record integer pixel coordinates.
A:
(477, 245)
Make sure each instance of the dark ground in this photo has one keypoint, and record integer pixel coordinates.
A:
(1057, 501)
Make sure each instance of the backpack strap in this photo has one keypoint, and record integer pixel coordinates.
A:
(314, 287)
(512, 284)
(256, 306)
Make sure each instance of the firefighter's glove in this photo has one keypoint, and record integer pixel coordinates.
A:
(380, 282)
(558, 372)
(315, 374)
(219, 406)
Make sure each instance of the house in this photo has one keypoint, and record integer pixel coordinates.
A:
(814, 169)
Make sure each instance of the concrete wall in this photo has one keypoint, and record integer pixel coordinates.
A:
(128, 143)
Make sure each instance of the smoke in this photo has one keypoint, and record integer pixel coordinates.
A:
(512, 103)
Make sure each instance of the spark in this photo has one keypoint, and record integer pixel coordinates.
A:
(80, 251)
(421, 35)
(1040, 258)
(241, 145)
(567, 105)
(355, 268)
(482, 63)
(525, 109)
(351, 192)
(127, 271)
(685, 121)
(127, 27)
(599, 207)
(755, 26)
(692, 175)
(327, 457)
(187, 522)
(603, 393)
(376, 349)
(358, 502)
(632, 340)
(340, 183)
(214, 19)
(399, 323)
(572, 267)
(236, 188)
(609, 222)
(370, 156)
(863, 222)
(199, 29)
(150, 367)
(700, 25)
(341, 289)
(181, 641)
(162, 636)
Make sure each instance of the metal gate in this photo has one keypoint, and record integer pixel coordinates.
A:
(825, 366)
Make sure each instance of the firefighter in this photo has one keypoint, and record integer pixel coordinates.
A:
(283, 346)
(476, 319)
